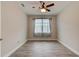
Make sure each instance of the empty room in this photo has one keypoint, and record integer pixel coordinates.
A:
(39, 28)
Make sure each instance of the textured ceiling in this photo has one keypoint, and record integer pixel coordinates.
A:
(57, 8)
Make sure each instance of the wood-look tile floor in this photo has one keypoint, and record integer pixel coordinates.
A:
(43, 49)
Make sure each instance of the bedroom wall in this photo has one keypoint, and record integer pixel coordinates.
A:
(0, 19)
(0, 28)
(68, 27)
(31, 26)
(14, 27)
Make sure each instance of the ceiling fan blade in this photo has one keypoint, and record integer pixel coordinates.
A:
(40, 1)
(22, 5)
(42, 4)
(50, 5)
(48, 10)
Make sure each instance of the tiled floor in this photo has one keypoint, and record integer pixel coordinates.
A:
(43, 49)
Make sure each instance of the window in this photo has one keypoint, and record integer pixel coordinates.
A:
(46, 26)
(42, 27)
(38, 26)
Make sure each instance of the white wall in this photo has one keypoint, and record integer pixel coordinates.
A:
(0, 28)
(13, 27)
(0, 19)
(68, 27)
(31, 27)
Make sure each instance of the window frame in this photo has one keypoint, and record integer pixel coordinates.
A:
(42, 34)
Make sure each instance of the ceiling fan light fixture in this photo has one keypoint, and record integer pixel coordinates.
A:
(43, 10)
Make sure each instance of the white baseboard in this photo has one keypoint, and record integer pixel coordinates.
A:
(42, 39)
(74, 51)
(15, 49)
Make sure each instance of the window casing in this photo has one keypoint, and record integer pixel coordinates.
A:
(42, 27)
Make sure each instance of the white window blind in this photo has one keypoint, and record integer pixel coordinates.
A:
(42, 26)
(38, 26)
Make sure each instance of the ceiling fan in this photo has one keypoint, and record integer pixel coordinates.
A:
(44, 7)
